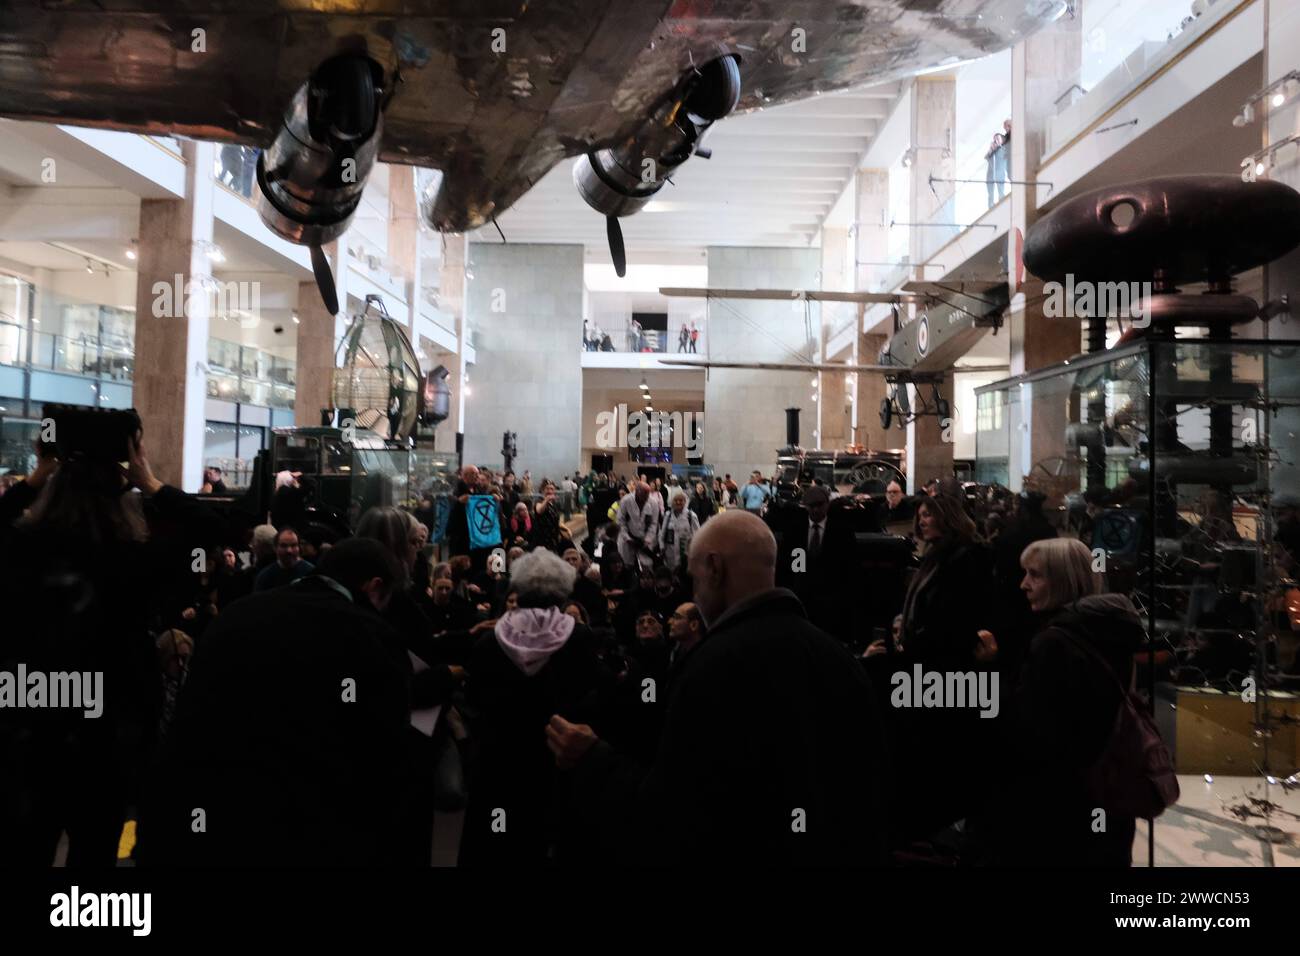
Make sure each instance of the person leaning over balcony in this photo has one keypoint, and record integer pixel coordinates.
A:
(1004, 154)
(991, 175)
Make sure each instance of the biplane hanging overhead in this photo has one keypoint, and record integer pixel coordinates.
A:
(919, 353)
(491, 92)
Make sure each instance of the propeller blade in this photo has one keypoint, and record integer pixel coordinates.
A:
(614, 232)
(320, 265)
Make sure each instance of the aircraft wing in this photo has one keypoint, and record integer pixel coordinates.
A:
(492, 92)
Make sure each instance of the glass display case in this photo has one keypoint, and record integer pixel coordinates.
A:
(1177, 462)
(343, 472)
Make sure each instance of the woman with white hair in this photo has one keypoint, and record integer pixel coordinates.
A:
(676, 531)
(1079, 668)
(537, 661)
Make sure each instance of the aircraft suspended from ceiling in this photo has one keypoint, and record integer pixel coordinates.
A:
(493, 93)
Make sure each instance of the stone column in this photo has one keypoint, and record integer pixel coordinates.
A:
(871, 228)
(745, 408)
(1042, 67)
(451, 298)
(934, 120)
(173, 307)
(835, 410)
(929, 442)
(404, 236)
(871, 391)
(525, 302)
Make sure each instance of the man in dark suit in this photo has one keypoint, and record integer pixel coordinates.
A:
(815, 558)
(772, 749)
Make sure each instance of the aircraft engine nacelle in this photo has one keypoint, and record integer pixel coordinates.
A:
(620, 180)
(311, 177)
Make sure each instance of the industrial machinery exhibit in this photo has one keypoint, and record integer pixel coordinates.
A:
(1175, 452)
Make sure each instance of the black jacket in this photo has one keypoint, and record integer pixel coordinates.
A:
(72, 606)
(951, 607)
(589, 594)
(704, 508)
(823, 584)
(770, 730)
(1059, 723)
(287, 771)
(516, 771)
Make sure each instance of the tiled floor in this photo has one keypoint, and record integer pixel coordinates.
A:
(1202, 829)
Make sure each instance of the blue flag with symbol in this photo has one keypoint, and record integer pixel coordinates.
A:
(482, 513)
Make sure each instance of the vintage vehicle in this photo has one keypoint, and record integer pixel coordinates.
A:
(842, 472)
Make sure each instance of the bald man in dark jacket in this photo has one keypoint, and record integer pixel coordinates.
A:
(772, 751)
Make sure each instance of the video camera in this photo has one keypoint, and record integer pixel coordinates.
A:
(101, 435)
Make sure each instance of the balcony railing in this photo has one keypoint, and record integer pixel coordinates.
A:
(110, 358)
(242, 373)
(1131, 43)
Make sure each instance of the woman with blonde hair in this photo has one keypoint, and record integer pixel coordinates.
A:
(1077, 672)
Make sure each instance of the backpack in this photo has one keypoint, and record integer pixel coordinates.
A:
(1134, 776)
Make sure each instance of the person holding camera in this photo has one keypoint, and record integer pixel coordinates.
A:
(84, 581)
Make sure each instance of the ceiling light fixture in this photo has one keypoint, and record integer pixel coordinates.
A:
(90, 268)
(1278, 94)
(1257, 164)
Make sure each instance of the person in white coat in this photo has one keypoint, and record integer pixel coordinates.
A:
(639, 517)
(676, 531)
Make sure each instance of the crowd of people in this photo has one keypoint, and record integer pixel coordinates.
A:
(637, 339)
(682, 681)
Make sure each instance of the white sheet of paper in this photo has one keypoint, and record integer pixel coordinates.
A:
(425, 719)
